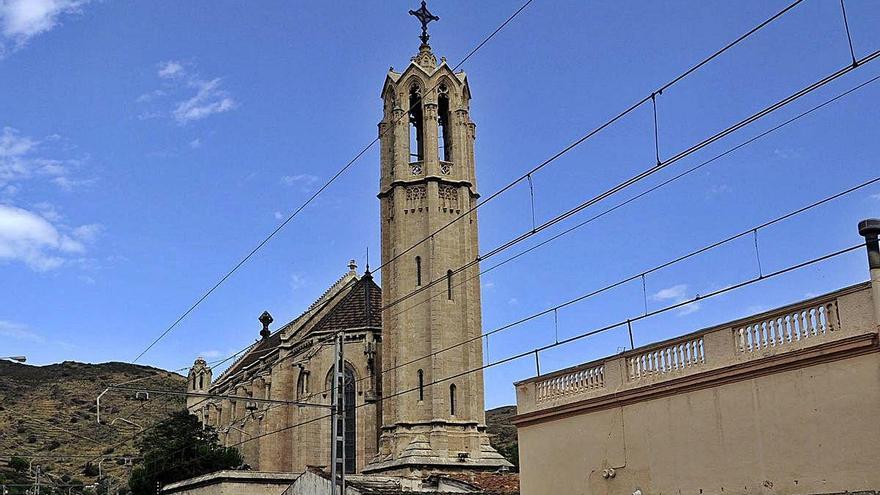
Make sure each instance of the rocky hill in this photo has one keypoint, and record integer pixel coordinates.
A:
(503, 433)
(48, 419)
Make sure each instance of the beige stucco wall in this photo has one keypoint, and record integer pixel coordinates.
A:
(811, 430)
(800, 417)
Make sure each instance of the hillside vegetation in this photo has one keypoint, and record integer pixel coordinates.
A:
(48, 418)
(502, 433)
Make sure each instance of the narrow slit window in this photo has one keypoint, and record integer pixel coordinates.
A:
(449, 284)
(416, 125)
(421, 385)
(418, 270)
(194, 382)
(201, 381)
(452, 399)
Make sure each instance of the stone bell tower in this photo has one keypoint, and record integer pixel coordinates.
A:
(198, 382)
(432, 418)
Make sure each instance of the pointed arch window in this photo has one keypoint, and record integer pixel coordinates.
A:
(452, 400)
(302, 384)
(418, 270)
(444, 133)
(421, 385)
(416, 125)
(194, 381)
(201, 380)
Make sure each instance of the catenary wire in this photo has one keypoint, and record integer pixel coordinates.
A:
(489, 198)
(569, 340)
(311, 198)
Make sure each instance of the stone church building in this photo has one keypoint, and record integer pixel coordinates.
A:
(415, 409)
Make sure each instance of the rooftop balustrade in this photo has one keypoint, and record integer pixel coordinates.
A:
(790, 329)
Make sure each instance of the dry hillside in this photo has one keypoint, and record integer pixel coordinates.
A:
(47, 416)
(503, 433)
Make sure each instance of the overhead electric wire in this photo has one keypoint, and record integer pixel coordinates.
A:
(646, 173)
(315, 195)
(653, 188)
(569, 340)
(705, 143)
(636, 276)
(489, 198)
(593, 132)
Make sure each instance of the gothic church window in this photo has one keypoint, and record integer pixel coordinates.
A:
(418, 270)
(421, 385)
(452, 400)
(449, 284)
(302, 384)
(416, 125)
(444, 133)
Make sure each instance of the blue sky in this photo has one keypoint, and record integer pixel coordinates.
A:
(145, 147)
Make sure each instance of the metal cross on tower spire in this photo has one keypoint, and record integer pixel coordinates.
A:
(424, 16)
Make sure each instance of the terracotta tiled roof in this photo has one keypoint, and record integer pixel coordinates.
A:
(354, 311)
(346, 305)
(496, 483)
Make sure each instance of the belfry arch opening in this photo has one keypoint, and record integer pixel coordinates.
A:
(444, 133)
(416, 125)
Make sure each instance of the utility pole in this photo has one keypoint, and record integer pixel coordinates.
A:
(337, 439)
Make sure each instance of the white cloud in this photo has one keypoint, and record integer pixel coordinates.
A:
(278, 215)
(13, 145)
(876, 196)
(23, 158)
(180, 82)
(297, 281)
(513, 301)
(30, 238)
(208, 100)
(689, 309)
(18, 331)
(718, 189)
(171, 69)
(87, 233)
(195, 143)
(677, 294)
(68, 184)
(21, 20)
(305, 179)
(152, 95)
(210, 354)
(48, 211)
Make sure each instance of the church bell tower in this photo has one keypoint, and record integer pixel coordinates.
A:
(433, 416)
